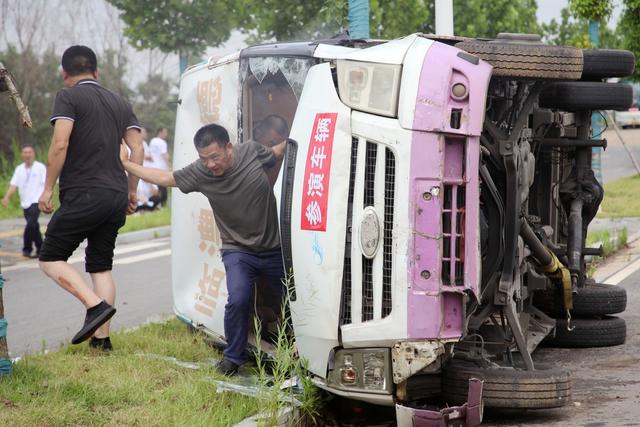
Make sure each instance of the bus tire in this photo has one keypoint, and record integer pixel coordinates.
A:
(608, 331)
(594, 299)
(603, 63)
(579, 96)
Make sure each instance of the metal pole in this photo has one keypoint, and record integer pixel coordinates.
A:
(5, 362)
(444, 17)
(359, 19)
(597, 126)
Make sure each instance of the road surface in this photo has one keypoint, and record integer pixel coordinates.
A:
(42, 315)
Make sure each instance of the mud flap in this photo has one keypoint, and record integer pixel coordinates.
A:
(467, 415)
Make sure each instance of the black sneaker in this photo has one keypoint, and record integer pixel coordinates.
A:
(227, 367)
(96, 316)
(26, 254)
(103, 344)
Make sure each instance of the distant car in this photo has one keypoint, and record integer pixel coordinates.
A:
(629, 118)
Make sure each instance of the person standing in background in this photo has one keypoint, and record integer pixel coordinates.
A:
(28, 178)
(147, 192)
(160, 157)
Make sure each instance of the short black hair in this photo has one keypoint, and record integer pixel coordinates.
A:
(27, 145)
(78, 60)
(272, 121)
(210, 134)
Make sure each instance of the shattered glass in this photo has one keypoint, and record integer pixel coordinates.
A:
(294, 70)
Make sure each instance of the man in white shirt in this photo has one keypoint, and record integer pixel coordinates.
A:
(160, 157)
(147, 192)
(28, 178)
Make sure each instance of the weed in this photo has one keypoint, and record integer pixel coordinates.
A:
(286, 365)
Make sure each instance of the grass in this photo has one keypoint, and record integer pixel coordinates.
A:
(611, 241)
(142, 221)
(79, 386)
(274, 398)
(621, 198)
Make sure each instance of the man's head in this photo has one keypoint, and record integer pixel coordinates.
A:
(162, 133)
(78, 62)
(28, 154)
(271, 130)
(214, 149)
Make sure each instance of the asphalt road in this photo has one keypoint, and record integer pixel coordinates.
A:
(606, 381)
(616, 163)
(42, 315)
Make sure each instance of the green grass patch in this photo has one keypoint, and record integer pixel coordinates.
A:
(144, 220)
(80, 386)
(611, 240)
(621, 198)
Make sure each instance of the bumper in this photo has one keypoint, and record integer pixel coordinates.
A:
(467, 415)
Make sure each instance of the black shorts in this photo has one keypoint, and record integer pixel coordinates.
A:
(94, 214)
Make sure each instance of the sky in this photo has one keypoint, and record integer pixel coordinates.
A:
(61, 23)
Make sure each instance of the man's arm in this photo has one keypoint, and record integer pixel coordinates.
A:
(133, 139)
(55, 161)
(155, 176)
(10, 191)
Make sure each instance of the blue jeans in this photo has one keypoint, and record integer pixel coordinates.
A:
(243, 268)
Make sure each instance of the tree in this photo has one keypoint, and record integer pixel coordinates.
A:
(630, 28)
(280, 20)
(183, 27)
(283, 20)
(479, 18)
(155, 106)
(574, 31)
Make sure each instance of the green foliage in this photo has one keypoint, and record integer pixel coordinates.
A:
(630, 27)
(38, 80)
(284, 20)
(574, 31)
(155, 104)
(286, 365)
(281, 20)
(591, 10)
(479, 18)
(397, 18)
(185, 27)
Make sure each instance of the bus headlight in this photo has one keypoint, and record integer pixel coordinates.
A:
(363, 369)
(369, 87)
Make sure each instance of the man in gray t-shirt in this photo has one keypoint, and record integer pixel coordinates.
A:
(234, 179)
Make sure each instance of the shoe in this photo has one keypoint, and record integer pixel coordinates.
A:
(103, 344)
(227, 367)
(26, 254)
(96, 316)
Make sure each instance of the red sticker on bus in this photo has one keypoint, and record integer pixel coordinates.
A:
(315, 188)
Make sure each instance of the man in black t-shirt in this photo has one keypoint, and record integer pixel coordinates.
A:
(95, 194)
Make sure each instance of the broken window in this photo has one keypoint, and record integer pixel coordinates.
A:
(271, 86)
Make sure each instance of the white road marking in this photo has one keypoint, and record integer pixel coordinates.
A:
(143, 257)
(618, 277)
(118, 251)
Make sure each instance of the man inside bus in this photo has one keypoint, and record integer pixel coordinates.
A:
(234, 179)
(269, 132)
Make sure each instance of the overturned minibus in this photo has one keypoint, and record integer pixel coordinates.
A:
(433, 203)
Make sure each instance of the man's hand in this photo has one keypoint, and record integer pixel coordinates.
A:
(279, 149)
(45, 204)
(133, 203)
(5, 202)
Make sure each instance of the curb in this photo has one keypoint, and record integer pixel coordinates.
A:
(141, 235)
